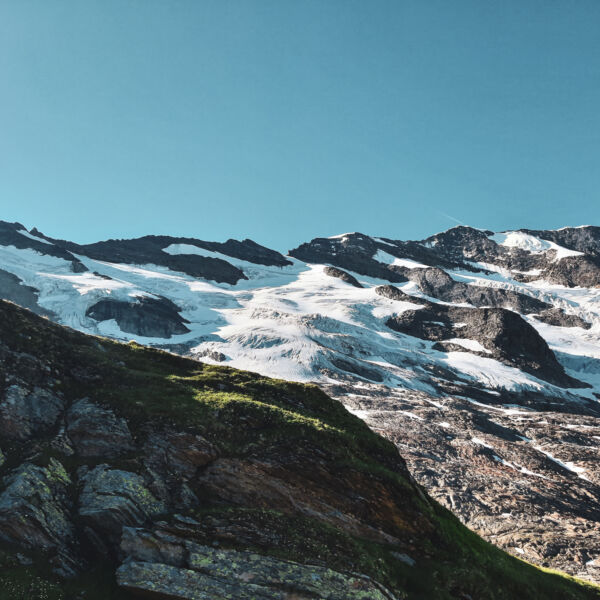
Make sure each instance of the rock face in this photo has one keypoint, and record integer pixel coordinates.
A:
(35, 512)
(148, 317)
(15, 234)
(436, 283)
(173, 453)
(111, 498)
(335, 272)
(581, 271)
(150, 250)
(25, 413)
(557, 317)
(13, 289)
(96, 431)
(181, 569)
(353, 252)
(498, 332)
(216, 483)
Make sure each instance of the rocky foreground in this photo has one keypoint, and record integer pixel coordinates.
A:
(129, 472)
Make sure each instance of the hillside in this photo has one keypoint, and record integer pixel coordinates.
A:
(127, 470)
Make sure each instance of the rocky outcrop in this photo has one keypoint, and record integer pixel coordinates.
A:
(436, 283)
(339, 274)
(146, 316)
(150, 250)
(12, 288)
(112, 498)
(497, 330)
(393, 293)
(353, 252)
(15, 234)
(162, 564)
(581, 239)
(35, 512)
(25, 413)
(96, 431)
(177, 453)
(581, 271)
(557, 317)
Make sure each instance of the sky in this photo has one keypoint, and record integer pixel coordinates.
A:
(285, 120)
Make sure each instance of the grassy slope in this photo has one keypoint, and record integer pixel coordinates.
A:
(242, 413)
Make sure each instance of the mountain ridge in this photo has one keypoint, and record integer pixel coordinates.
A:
(506, 440)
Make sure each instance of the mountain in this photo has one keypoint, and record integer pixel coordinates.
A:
(130, 472)
(476, 353)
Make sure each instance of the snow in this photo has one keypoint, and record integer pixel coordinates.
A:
(480, 442)
(290, 321)
(519, 239)
(473, 345)
(530, 243)
(388, 259)
(341, 235)
(569, 466)
(34, 237)
(381, 241)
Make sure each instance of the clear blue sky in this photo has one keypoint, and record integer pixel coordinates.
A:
(283, 120)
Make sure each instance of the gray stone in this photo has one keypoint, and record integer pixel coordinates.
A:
(34, 507)
(97, 431)
(112, 498)
(25, 413)
(177, 568)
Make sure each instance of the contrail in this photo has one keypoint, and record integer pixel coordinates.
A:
(451, 218)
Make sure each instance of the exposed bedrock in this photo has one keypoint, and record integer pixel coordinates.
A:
(581, 239)
(555, 316)
(12, 288)
(353, 252)
(97, 431)
(146, 316)
(339, 274)
(572, 271)
(437, 283)
(158, 562)
(14, 234)
(27, 412)
(504, 335)
(150, 250)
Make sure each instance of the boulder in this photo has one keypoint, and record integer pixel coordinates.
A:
(35, 513)
(25, 413)
(339, 274)
(112, 498)
(96, 431)
(145, 316)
